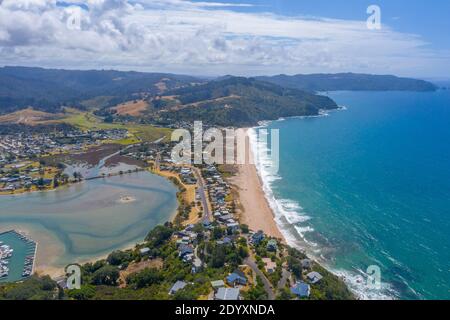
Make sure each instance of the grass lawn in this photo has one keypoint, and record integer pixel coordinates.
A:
(139, 132)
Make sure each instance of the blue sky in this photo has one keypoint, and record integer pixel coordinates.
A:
(430, 19)
(216, 37)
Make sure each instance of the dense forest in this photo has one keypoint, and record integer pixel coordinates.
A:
(49, 89)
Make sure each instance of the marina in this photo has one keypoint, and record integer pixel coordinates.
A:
(17, 256)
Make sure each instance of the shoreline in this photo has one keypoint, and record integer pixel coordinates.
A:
(45, 262)
(255, 210)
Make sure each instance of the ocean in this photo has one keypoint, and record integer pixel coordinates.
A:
(368, 186)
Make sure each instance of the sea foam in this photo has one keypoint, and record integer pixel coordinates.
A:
(289, 216)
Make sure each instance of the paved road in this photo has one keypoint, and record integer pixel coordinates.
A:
(202, 192)
(267, 285)
(285, 275)
(157, 161)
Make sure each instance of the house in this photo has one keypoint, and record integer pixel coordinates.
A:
(306, 263)
(257, 237)
(227, 294)
(206, 223)
(314, 277)
(233, 226)
(188, 257)
(272, 245)
(236, 278)
(144, 251)
(217, 284)
(270, 266)
(185, 250)
(226, 217)
(62, 283)
(177, 286)
(301, 289)
(227, 240)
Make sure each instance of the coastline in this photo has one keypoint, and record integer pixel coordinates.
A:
(254, 208)
(255, 211)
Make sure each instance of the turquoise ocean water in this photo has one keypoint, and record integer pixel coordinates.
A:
(370, 185)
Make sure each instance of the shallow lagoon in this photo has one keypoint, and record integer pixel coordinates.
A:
(90, 219)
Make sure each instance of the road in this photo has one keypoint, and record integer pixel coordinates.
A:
(285, 275)
(267, 285)
(202, 193)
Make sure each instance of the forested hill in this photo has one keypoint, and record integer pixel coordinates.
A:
(49, 89)
(236, 101)
(349, 81)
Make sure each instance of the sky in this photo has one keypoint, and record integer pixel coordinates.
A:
(239, 37)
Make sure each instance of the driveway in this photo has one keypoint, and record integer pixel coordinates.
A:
(267, 285)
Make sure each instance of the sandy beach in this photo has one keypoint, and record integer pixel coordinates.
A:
(253, 207)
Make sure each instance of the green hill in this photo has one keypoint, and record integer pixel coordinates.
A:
(236, 101)
(49, 89)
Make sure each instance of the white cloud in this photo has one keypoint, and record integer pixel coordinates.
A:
(203, 38)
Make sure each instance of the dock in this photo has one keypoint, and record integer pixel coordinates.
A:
(17, 256)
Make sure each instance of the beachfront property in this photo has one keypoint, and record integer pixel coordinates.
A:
(306, 264)
(257, 237)
(269, 265)
(272, 245)
(17, 256)
(314, 277)
(301, 289)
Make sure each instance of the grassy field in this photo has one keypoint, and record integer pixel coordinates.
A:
(88, 121)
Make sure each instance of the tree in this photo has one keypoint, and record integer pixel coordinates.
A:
(295, 266)
(86, 292)
(244, 228)
(285, 294)
(34, 288)
(144, 278)
(257, 292)
(108, 119)
(217, 233)
(218, 257)
(106, 275)
(118, 257)
(243, 252)
(159, 234)
(187, 293)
